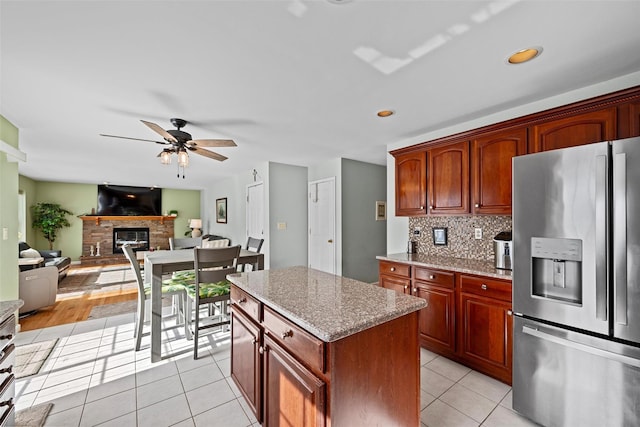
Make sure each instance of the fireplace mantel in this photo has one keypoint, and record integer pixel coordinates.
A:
(98, 218)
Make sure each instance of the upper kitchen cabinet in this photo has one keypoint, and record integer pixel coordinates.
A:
(448, 179)
(491, 170)
(411, 184)
(581, 129)
(629, 120)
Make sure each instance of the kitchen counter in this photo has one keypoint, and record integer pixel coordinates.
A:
(459, 265)
(8, 307)
(328, 306)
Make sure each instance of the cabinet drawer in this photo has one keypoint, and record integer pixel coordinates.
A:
(7, 331)
(395, 268)
(486, 287)
(7, 403)
(435, 277)
(246, 302)
(304, 346)
(6, 363)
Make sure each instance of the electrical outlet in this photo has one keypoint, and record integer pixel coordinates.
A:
(478, 233)
(416, 232)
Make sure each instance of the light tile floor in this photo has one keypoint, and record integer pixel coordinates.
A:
(94, 377)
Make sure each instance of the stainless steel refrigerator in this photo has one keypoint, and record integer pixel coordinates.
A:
(576, 285)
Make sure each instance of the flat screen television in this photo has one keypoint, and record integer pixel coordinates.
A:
(122, 200)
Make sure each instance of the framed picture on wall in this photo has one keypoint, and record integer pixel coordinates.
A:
(221, 210)
(440, 236)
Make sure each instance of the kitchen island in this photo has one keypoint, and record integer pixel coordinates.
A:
(313, 349)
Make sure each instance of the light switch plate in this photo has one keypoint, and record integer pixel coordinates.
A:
(282, 226)
(5, 233)
(478, 233)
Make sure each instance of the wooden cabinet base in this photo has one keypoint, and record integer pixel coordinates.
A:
(368, 378)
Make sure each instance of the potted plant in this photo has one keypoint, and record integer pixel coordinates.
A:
(49, 218)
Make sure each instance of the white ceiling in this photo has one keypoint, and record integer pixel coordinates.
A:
(291, 81)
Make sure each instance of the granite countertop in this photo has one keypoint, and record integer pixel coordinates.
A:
(327, 306)
(8, 307)
(459, 265)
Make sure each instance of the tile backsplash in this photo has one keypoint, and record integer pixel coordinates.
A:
(460, 235)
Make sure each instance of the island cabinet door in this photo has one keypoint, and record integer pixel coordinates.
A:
(293, 395)
(246, 360)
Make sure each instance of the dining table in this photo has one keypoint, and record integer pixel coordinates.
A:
(159, 263)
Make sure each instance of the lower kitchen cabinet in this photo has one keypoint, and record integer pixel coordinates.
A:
(486, 326)
(437, 319)
(467, 319)
(293, 395)
(246, 360)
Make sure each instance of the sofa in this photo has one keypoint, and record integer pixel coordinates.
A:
(51, 258)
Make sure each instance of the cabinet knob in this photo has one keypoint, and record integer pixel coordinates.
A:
(509, 313)
(431, 276)
(415, 290)
(484, 287)
(287, 334)
(242, 300)
(477, 205)
(431, 207)
(422, 207)
(254, 340)
(393, 269)
(406, 287)
(261, 350)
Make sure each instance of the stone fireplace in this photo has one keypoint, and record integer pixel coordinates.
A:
(99, 231)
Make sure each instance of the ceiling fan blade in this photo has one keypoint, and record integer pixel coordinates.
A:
(213, 142)
(209, 154)
(135, 139)
(157, 129)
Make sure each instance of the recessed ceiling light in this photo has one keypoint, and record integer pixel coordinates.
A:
(384, 113)
(524, 55)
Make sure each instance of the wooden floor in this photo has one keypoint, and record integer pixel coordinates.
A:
(75, 308)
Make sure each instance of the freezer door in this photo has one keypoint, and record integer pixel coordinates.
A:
(560, 220)
(563, 378)
(626, 239)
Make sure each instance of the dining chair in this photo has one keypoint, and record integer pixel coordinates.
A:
(144, 294)
(184, 242)
(212, 265)
(253, 245)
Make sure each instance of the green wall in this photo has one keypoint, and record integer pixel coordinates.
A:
(8, 217)
(80, 199)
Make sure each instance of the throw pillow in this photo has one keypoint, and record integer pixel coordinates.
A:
(30, 253)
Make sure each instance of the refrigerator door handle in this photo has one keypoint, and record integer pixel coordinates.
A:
(620, 237)
(554, 337)
(602, 220)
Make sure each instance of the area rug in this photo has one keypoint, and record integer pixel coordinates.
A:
(34, 416)
(31, 357)
(90, 280)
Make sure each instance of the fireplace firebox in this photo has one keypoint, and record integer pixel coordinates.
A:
(137, 238)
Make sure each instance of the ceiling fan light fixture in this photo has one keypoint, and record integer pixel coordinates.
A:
(183, 159)
(165, 157)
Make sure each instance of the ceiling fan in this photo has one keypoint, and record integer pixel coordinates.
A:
(179, 142)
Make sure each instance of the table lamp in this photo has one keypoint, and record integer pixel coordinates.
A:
(195, 225)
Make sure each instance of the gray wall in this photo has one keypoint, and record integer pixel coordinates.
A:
(363, 238)
(287, 203)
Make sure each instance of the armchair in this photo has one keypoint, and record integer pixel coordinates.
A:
(37, 288)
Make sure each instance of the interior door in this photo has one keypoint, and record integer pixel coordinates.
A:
(255, 211)
(322, 220)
